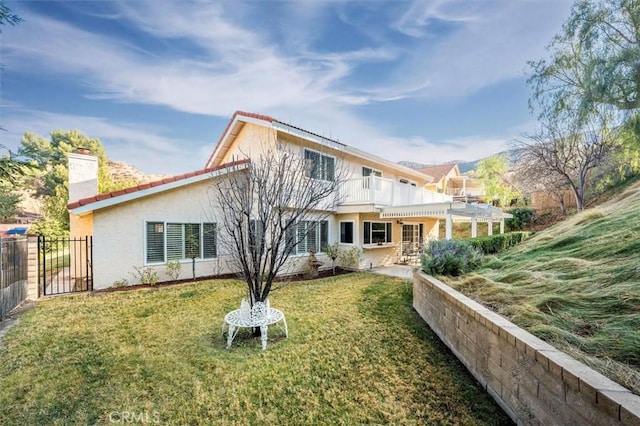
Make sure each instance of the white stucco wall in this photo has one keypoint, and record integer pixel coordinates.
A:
(119, 233)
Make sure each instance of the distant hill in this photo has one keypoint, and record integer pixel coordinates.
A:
(121, 170)
(464, 166)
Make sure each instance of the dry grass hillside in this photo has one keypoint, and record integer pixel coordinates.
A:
(576, 285)
(121, 170)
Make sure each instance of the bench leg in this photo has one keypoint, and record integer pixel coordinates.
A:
(231, 334)
(263, 336)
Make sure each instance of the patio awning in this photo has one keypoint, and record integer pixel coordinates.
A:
(460, 212)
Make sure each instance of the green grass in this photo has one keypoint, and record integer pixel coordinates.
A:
(357, 353)
(576, 285)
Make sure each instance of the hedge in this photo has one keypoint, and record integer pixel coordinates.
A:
(492, 244)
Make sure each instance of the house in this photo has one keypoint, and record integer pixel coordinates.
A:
(448, 180)
(384, 208)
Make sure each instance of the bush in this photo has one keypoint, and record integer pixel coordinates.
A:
(492, 244)
(522, 217)
(450, 257)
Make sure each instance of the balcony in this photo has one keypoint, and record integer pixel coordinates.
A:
(466, 194)
(387, 192)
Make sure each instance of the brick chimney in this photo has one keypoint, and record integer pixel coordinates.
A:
(83, 174)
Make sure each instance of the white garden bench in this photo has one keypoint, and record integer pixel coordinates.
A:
(260, 315)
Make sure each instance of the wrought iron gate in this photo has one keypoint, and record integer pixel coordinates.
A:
(65, 265)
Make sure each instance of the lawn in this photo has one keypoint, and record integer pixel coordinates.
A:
(357, 353)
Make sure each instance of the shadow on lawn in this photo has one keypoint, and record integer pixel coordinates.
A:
(384, 303)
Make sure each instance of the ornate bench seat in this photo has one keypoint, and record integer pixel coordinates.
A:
(260, 315)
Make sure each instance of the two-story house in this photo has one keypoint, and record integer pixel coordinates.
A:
(384, 209)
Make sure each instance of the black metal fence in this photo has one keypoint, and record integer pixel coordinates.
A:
(65, 265)
(13, 273)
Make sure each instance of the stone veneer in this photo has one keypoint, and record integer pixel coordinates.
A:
(531, 380)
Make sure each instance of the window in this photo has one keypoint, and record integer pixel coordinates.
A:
(320, 166)
(366, 172)
(346, 232)
(377, 232)
(155, 242)
(309, 234)
(178, 241)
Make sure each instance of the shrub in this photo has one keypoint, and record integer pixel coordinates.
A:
(492, 244)
(350, 258)
(173, 269)
(522, 217)
(450, 257)
(145, 275)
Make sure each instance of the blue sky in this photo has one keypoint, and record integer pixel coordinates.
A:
(156, 81)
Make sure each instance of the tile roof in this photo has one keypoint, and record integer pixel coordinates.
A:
(438, 172)
(167, 180)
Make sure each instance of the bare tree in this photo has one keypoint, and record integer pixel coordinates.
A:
(265, 210)
(533, 175)
(567, 152)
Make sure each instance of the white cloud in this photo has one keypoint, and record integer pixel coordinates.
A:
(232, 62)
(147, 148)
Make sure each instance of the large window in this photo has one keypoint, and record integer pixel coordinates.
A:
(346, 232)
(320, 166)
(179, 241)
(377, 232)
(309, 234)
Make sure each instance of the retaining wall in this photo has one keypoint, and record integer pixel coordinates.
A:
(531, 380)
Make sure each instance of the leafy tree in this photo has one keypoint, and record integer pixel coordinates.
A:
(7, 16)
(494, 174)
(259, 208)
(12, 173)
(12, 169)
(9, 200)
(50, 157)
(593, 61)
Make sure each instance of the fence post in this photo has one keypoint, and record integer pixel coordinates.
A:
(33, 292)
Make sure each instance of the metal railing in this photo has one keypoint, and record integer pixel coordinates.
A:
(13, 273)
(65, 265)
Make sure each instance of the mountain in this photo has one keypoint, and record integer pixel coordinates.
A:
(464, 166)
(121, 170)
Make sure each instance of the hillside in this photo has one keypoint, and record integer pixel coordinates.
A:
(576, 285)
(121, 170)
(464, 166)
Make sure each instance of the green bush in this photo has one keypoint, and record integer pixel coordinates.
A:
(450, 257)
(492, 244)
(522, 217)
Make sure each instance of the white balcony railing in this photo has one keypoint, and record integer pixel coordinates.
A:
(387, 192)
(461, 192)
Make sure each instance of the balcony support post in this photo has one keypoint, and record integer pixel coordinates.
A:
(474, 226)
(449, 226)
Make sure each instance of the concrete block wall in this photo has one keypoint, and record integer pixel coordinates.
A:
(532, 381)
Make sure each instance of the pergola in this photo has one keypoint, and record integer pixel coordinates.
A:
(451, 211)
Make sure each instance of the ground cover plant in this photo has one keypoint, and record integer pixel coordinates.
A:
(357, 353)
(575, 285)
